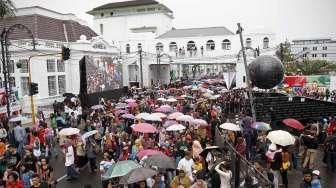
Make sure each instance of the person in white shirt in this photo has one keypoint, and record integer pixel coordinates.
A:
(223, 169)
(186, 163)
(70, 161)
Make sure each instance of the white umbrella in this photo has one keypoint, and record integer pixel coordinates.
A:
(174, 115)
(130, 100)
(207, 95)
(280, 137)
(171, 100)
(176, 127)
(142, 115)
(69, 131)
(230, 127)
(17, 119)
(161, 99)
(96, 107)
(151, 117)
(88, 134)
(158, 114)
(199, 122)
(185, 118)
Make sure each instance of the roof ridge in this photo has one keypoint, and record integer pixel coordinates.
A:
(199, 28)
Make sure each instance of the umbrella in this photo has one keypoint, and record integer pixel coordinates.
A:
(290, 122)
(160, 115)
(175, 127)
(169, 123)
(121, 168)
(132, 105)
(164, 109)
(121, 105)
(144, 128)
(199, 122)
(160, 161)
(128, 116)
(185, 118)
(17, 119)
(280, 137)
(121, 111)
(152, 117)
(142, 115)
(174, 115)
(96, 107)
(230, 127)
(261, 126)
(137, 175)
(130, 100)
(88, 134)
(148, 152)
(171, 100)
(69, 131)
(161, 99)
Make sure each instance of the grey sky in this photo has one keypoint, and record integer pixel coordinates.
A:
(287, 18)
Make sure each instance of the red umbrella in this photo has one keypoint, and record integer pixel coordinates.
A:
(290, 122)
(144, 128)
(148, 152)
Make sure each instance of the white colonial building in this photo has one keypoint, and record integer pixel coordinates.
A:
(322, 48)
(51, 30)
(191, 52)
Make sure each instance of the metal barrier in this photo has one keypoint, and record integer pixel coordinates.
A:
(241, 167)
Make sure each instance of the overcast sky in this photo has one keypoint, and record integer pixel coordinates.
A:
(287, 18)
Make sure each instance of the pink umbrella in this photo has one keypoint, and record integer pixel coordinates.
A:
(128, 116)
(130, 100)
(132, 105)
(144, 128)
(169, 123)
(148, 152)
(199, 122)
(174, 115)
(164, 109)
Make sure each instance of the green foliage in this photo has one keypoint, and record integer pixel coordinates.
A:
(310, 67)
(7, 8)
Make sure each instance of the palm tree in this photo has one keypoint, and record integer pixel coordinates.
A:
(7, 8)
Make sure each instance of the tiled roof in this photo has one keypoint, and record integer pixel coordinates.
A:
(126, 4)
(48, 28)
(196, 32)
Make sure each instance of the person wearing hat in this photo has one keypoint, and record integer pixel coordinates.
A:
(181, 180)
(315, 183)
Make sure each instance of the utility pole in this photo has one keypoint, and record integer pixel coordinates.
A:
(141, 75)
(248, 79)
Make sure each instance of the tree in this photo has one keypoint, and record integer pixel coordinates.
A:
(310, 67)
(7, 8)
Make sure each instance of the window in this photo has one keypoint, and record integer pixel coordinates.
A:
(210, 45)
(190, 45)
(111, 13)
(266, 43)
(61, 84)
(101, 27)
(325, 48)
(24, 86)
(304, 55)
(128, 48)
(99, 46)
(51, 65)
(172, 46)
(159, 47)
(50, 44)
(314, 48)
(24, 65)
(12, 82)
(248, 43)
(314, 55)
(226, 44)
(102, 15)
(11, 66)
(141, 10)
(324, 55)
(60, 66)
(52, 85)
(304, 48)
(139, 46)
(150, 9)
(1, 84)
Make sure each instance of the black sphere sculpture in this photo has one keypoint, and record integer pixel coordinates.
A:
(266, 72)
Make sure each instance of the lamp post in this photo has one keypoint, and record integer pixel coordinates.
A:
(140, 61)
(4, 37)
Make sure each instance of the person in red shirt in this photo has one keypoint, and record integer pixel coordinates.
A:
(13, 181)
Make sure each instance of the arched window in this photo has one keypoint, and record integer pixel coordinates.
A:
(210, 45)
(248, 42)
(266, 43)
(172, 46)
(191, 45)
(226, 44)
(159, 47)
(139, 46)
(128, 48)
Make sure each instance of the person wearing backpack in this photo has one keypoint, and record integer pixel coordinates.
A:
(285, 166)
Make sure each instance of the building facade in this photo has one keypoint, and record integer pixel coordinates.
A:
(51, 31)
(323, 48)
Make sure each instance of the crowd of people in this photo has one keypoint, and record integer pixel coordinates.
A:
(180, 122)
